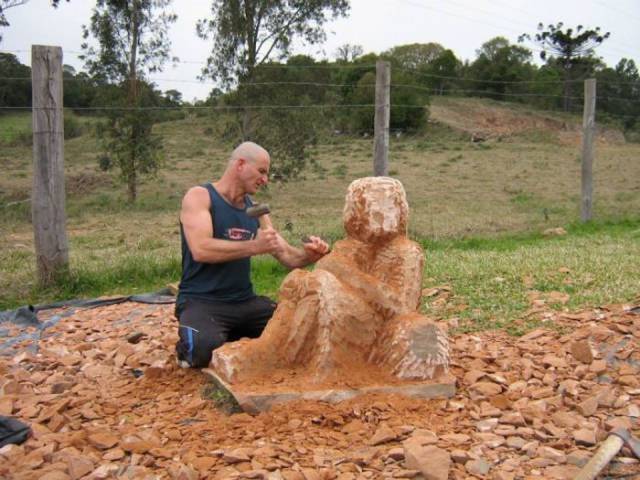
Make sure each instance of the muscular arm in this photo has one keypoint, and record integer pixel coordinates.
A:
(198, 230)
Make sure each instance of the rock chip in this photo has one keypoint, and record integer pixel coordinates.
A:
(561, 472)
(581, 351)
(79, 466)
(383, 434)
(479, 467)
(598, 366)
(578, 458)
(487, 425)
(103, 441)
(516, 442)
(459, 456)
(433, 462)
(585, 436)
(456, 438)
(589, 406)
(237, 455)
(486, 388)
(552, 454)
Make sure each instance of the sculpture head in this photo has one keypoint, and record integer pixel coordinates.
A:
(376, 209)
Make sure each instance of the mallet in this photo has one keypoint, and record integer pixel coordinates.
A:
(609, 449)
(259, 211)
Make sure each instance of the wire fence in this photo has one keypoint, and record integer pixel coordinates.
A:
(494, 161)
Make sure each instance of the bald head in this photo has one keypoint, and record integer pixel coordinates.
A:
(250, 151)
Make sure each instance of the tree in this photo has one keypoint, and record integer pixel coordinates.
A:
(249, 33)
(132, 40)
(285, 132)
(6, 5)
(174, 97)
(441, 73)
(498, 63)
(348, 52)
(619, 92)
(14, 93)
(574, 51)
(408, 105)
(414, 56)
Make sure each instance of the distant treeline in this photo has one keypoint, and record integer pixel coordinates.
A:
(343, 90)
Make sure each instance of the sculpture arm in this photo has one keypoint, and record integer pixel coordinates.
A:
(369, 287)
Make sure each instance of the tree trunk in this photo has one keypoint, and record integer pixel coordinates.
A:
(567, 95)
(252, 60)
(132, 184)
(132, 177)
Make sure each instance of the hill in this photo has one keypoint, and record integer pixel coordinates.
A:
(483, 118)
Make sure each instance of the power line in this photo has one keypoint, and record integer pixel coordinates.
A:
(626, 15)
(475, 20)
(478, 80)
(530, 14)
(506, 94)
(214, 107)
(355, 84)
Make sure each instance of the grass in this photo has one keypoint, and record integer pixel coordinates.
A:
(221, 398)
(478, 210)
(491, 278)
(14, 126)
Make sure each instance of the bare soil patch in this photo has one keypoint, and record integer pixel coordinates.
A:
(481, 119)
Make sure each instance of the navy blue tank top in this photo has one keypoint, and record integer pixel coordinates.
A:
(219, 282)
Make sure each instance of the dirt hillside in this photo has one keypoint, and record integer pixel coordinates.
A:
(487, 119)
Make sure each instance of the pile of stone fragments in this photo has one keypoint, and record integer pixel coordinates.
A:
(104, 399)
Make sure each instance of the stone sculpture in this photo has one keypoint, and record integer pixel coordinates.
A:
(356, 311)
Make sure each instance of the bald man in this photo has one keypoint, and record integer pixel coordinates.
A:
(216, 302)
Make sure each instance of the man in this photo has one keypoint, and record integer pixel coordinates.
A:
(216, 302)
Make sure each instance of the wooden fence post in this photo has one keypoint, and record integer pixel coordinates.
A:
(588, 132)
(48, 197)
(381, 121)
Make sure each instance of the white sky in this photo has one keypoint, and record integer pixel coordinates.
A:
(377, 25)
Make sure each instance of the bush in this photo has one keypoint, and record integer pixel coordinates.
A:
(104, 162)
(72, 126)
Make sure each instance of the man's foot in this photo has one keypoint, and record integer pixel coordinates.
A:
(182, 363)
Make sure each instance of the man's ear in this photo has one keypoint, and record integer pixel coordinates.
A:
(240, 164)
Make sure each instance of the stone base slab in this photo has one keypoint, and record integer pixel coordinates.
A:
(255, 402)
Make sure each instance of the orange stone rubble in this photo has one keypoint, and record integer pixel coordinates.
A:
(539, 422)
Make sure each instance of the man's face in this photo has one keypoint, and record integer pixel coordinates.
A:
(255, 174)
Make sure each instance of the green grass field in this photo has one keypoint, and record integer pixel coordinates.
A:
(479, 210)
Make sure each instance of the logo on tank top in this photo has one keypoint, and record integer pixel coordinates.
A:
(235, 233)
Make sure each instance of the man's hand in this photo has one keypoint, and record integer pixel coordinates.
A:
(267, 241)
(315, 248)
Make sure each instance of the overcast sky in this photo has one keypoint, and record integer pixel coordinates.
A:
(376, 25)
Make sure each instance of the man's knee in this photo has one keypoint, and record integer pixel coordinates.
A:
(195, 348)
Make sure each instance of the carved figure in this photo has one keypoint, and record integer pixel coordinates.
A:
(356, 310)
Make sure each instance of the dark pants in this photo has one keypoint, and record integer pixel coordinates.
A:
(206, 326)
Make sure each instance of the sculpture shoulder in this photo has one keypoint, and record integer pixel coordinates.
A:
(405, 247)
(345, 250)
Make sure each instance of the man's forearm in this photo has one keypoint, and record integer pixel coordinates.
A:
(292, 257)
(215, 250)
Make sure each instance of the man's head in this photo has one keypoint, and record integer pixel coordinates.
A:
(249, 166)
